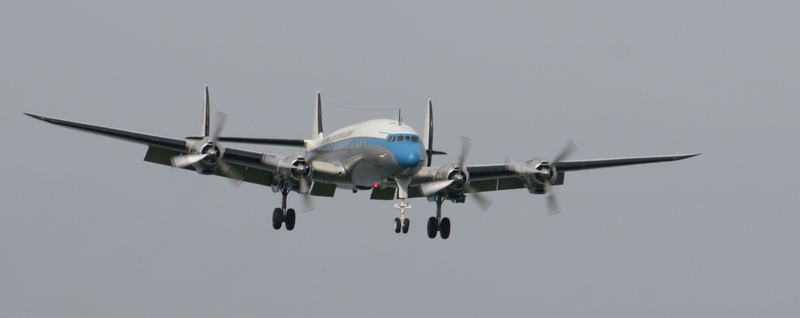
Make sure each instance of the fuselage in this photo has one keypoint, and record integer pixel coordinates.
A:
(371, 152)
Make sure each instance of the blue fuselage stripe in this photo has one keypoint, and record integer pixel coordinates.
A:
(399, 149)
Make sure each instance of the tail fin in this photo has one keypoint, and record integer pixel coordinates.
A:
(427, 138)
(206, 113)
(318, 119)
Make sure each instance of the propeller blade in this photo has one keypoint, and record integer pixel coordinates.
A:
(568, 150)
(227, 170)
(465, 143)
(436, 186)
(187, 160)
(550, 196)
(305, 192)
(304, 188)
(221, 118)
(484, 202)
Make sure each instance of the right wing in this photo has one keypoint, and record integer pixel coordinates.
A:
(260, 141)
(251, 165)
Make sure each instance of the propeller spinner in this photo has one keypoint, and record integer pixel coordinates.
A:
(458, 179)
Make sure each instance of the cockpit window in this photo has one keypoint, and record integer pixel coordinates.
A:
(403, 138)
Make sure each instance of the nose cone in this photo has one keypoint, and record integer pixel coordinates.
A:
(407, 157)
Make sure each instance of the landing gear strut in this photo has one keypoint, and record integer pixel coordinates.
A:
(437, 223)
(283, 215)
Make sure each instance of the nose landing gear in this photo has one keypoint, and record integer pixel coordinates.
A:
(402, 224)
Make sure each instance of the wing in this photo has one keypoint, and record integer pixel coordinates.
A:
(161, 150)
(605, 163)
(499, 177)
(152, 140)
(259, 141)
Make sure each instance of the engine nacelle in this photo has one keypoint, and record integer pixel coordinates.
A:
(295, 167)
(536, 173)
(300, 168)
(209, 164)
(452, 172)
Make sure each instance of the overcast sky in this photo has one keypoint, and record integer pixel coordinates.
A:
(88, 229)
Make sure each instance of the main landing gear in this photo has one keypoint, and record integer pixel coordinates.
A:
(437, 223)
(282, 215)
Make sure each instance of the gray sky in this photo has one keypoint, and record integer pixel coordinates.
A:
(88, 229)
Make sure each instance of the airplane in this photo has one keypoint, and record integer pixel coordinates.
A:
(384, 156)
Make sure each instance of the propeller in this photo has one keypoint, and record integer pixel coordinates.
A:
(547, 176)
(305, 192)
(482, 199)
(550, 195)
(226, 169)
(187, 160)
(459, 179)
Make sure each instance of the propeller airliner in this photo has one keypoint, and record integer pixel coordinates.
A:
(384, 156)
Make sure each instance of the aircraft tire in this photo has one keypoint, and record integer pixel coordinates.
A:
(433, 227)
(277, 218)
(290, 218)
(406, 225)
(397, 225)
(444, 228)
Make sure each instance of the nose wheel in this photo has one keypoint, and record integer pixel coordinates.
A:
(282, 215)
(402, 224)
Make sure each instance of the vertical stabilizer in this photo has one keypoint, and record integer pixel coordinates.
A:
(206, 113)
(427, 138)
(317, 134)
(399, 117)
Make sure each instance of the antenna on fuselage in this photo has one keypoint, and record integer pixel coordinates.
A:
(399, 117)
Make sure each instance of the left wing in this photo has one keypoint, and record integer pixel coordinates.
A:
(502, 172)
(499, 177)
(605, 163)
(162, 149)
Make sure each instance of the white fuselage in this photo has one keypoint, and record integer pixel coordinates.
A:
(369, 152)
